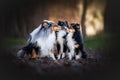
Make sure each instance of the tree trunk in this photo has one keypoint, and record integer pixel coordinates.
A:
(83, 18)
(111, 17)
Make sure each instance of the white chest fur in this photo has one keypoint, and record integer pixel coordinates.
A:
(46, 44)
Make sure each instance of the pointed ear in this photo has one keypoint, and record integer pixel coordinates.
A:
(59, 22)
(66, 22)
(77, 25)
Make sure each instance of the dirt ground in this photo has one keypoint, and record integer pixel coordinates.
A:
(45, 68)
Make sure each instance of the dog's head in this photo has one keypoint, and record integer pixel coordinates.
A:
(76, 26)
(47, 23)
(56, 27)
(72, 28)
(50, 25)
(63, 24)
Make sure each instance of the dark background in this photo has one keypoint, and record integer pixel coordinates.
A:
(9, 8)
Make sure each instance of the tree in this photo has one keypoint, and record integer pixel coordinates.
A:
(85, 3)
(111, 17)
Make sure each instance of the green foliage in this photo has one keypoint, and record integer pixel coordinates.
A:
(12, 42)
(101, 41)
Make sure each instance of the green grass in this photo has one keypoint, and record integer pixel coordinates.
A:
(93, 42)
(12, 42)
(101, 41)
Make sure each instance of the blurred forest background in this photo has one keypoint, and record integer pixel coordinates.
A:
(100, 25)
(20, 17)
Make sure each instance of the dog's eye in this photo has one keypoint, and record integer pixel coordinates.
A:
(50, 24)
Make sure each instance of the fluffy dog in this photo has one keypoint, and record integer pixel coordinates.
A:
(79, 41)
(41, 31)
(70, 43)
(42, 40)
(47, 38)
(61, 39)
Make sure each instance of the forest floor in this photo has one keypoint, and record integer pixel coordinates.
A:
(40, 68)
(45, 68)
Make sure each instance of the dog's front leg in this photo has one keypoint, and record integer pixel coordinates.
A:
(51, 54)
(77, 50)
(78, 54)
(71, 54)
(61, 50)
(63, 55)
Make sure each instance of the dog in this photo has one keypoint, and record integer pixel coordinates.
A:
(70, 42)
(50, 38)
(61, 39)
(39, 31)
(42, 40)
(47, 38)
(79, 46)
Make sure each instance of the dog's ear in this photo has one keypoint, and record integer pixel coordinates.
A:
(45, 24)
(59, 22)
(78, 26)
(67, 23)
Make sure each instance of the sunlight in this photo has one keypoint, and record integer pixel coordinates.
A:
(90, 31)
(94, 17)
(64, 13)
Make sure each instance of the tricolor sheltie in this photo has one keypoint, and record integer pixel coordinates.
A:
(48, 41)
(79, 46)
(61, 39)
(45, 37)
(55, 40)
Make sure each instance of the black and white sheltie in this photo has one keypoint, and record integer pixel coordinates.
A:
(79, 49)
